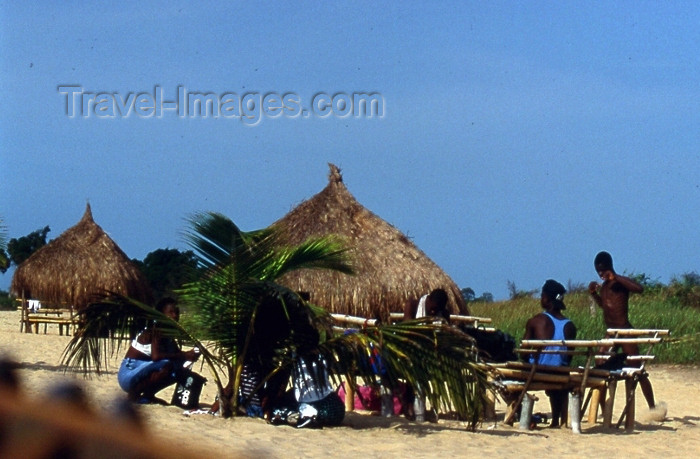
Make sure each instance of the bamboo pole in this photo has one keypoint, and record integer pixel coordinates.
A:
(630, 388)
(23, 324)
(354, 320)
(349, 397)
(562, 379)
(637, 331)
(551, 369)
(609, 403)
(509, 419)
(593, 405)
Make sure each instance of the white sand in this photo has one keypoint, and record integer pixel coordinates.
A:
(362, 435)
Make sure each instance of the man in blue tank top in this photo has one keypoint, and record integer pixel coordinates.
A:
(551, 324)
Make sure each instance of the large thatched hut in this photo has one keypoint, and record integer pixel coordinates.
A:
(389, 268)
(79, 264)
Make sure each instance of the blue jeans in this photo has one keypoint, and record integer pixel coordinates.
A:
(133, 371)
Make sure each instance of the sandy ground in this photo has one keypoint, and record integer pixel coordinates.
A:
(362, 434)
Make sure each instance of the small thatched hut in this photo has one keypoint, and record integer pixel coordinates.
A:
(79, 264)
(389, 268)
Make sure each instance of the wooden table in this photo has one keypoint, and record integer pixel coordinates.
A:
(523, 377)
(64, 318)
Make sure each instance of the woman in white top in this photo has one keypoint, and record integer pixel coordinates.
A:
(152, 361)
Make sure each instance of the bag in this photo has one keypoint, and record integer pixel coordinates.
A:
(493, 346)
(369, 397)
(188, 390)
(366, 397)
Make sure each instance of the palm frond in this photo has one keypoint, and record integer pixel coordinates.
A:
(315, 253)
(436, 358)
(214, 237)
(108, 325)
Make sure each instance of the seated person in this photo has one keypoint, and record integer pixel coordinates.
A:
(259, 393)
(312, 402)
(551, 324)
(432, 305)
(319, 403)
(153, 362)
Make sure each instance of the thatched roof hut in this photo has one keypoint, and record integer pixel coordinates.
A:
(389, 268)
(82, 262)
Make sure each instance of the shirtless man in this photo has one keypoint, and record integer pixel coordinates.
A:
(613, 298)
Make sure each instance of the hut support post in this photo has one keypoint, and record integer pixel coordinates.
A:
(23, 325)
(349, 396)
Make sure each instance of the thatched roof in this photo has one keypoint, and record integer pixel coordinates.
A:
(80, 263)
(389, 268)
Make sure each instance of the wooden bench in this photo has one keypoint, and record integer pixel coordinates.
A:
(515, 379)
(64, 318)
(630, 374)
(63, 323)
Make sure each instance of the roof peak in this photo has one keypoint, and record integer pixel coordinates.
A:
(334, 176)
(87, 216)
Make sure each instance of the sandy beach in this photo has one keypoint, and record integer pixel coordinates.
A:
(361, 433)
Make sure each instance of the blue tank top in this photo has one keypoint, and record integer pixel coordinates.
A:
(557, 360)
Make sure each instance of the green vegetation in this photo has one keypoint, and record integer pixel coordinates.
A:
(19, 249)
(247, 318)
(7, 302)
(167, 270)
(659, 307)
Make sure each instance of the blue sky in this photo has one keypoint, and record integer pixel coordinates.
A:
(518, 138)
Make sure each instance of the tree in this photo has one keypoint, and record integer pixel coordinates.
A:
(22, 248)
(167, 270)
(232, 305)
(575, 287)
(485, 297)
(514, 293)
(4, 259)
(645, 281)
(468, 294)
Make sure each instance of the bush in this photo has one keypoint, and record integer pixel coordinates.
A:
(7, 302)
(686, 289)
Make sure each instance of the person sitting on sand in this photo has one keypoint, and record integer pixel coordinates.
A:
(311, 402)
(319, 404)
(613, 298)
(433, 304)
(551, 324)
(153, 362)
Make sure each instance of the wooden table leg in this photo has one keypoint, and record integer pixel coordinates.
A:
(510, 416)
(630, 388)
(490, 406)
(593, 406)
(609, 403)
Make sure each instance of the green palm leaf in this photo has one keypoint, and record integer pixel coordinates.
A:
(233, 302)
(244, 315)
(435, 357)
(108, 325)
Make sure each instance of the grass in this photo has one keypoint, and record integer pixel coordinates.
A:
(649, 310)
